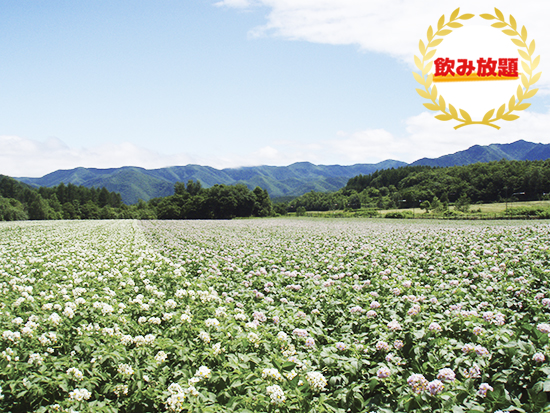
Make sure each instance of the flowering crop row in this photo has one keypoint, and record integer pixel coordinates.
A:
(274, 315)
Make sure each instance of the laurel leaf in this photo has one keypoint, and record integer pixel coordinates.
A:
(444, 32)
(444, 117)
(455, 25)
(520, 92)
(535, 63)
(499, 14)
(523, 106)
(435, 43)
(532, 48)
(487, 16)
(453, 111)
(500, 111)
(499, 25)
(512, 103)
(441, 22)
(419, 78)
(429, 80)
(509, 32)
(524, 55)
(427, 68)
(530, 94)
(535, 79)
(442, 104)
(523, 33)
(454, 14)
(434, 92)
(430, 33)
(510, 117)
(524, 80)
(488, 115)
(526, 68)
(421, 47)
(513, 22)
(431, 106)
(424, 94)
(465, 115)
(466, 16)
(518, 42)
(430, 54)
(418, 63)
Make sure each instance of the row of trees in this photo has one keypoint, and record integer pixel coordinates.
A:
(20, 202)
(217, 202)
(422, 186)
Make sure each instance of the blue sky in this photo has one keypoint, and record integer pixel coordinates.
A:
(229, 83)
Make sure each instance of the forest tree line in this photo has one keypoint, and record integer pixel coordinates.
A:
(19, 201)
(416, 186)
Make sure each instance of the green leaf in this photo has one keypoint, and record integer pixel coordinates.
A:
(288, 366)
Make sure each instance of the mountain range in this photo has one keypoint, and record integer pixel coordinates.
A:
(134, 183)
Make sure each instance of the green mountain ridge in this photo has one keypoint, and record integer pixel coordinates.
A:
(134, 183)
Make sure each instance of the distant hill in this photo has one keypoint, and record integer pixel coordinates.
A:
(135, 183)
(516, 151)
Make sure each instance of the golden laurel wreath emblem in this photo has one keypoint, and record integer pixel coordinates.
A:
(529, 65)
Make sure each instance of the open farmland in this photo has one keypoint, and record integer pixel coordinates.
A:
(288, 315)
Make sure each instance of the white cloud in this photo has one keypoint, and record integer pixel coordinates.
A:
(425, 137)
(393, 27)
(26, 157)
(431, 138)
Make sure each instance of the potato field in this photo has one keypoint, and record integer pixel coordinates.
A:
(274, 315)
